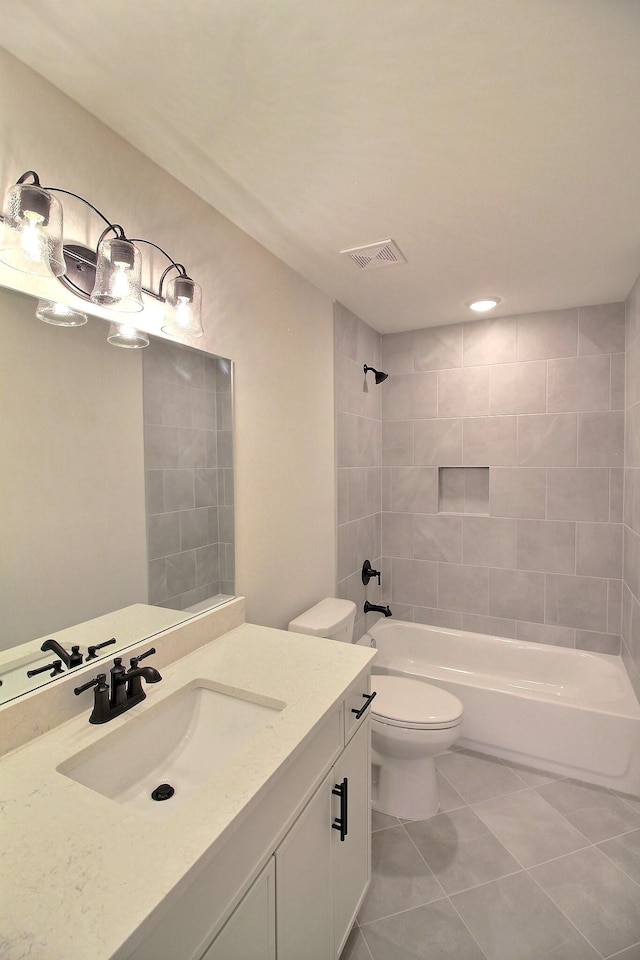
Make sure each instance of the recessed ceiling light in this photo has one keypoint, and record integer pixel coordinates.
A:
(481, 306)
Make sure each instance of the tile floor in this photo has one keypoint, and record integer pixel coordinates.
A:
(517, 865)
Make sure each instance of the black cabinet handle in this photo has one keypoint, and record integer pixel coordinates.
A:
(364, 706)
(340, 823)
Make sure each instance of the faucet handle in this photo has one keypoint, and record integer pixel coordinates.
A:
(101, 708)
(141, 656)
(55, 666)
(91, 652)
(100, 680)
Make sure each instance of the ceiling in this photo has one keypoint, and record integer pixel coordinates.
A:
(497, 142)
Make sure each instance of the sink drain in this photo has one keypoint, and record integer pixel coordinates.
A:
(163, 792)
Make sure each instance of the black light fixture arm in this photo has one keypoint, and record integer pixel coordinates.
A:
(70, 193)
(181, 271)
(117, 229)
(29, 173)
(172, 265)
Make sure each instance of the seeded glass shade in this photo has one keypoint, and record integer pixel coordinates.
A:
(118, 276)
(124, 335)
(32, 235)
(59, 314)
(182, 309)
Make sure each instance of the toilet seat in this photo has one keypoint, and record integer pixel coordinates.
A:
(414, 705)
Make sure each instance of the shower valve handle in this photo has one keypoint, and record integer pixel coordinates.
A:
(368, 572)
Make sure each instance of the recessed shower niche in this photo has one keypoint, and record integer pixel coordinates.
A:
(463, 490)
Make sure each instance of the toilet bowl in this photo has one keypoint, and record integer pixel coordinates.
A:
(411, 722)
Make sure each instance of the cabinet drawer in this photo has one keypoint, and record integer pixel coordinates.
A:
(357, 706)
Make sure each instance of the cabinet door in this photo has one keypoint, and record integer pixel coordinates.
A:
(249, 933)
(303, 882)
(352, 857)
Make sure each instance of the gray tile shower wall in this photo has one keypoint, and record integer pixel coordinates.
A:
(631, 548)
(189, 475)
(358, 409)
(522, 533)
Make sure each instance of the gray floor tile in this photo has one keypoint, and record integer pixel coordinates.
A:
(434, 931)
(460, 850)
(380, 821)
(587, 897)
(632, 953)
(529, 827)
(400, 878)
(576, 948)
(477, 777)
(601, 900)
(450, 799)
(625, 852)
(355, 948)
(512, 919)
(596, 812)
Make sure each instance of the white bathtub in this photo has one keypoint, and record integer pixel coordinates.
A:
(566, 711)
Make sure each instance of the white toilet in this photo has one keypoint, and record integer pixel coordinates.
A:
(411, 722)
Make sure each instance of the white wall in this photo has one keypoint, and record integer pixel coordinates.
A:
(274, 325)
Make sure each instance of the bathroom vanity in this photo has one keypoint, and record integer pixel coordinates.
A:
(265, 854)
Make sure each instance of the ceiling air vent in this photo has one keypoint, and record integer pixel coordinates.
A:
(385, 253)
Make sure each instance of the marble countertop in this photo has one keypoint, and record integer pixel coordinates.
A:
(82, 872)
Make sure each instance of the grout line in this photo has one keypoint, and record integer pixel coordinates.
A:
(470, 932)
(560, 910)
(364, 940)
(623, 953)
(622, 869)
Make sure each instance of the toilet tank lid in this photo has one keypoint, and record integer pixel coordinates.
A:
(325, 617)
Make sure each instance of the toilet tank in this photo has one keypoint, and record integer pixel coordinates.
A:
(331, 618)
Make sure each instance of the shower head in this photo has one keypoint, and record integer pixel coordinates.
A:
(380, 376)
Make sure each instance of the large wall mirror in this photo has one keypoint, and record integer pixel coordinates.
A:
(116, 486)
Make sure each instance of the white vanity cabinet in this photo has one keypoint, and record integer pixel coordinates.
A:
(323, 864)
(288, 883)
(249, 933)
(351, 867)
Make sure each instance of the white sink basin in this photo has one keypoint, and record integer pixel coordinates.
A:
(183, 741)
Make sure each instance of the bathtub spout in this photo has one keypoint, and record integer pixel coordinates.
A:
(377, 608)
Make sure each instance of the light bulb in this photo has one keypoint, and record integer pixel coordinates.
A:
(119, 281)
(32, 240)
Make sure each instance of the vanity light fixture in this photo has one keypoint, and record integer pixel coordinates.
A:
(110, 275)
(483, 305)
(182, 312)
(59, 314)
(124, 335)
(118, 279)
(379, 375)
(32, 241)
